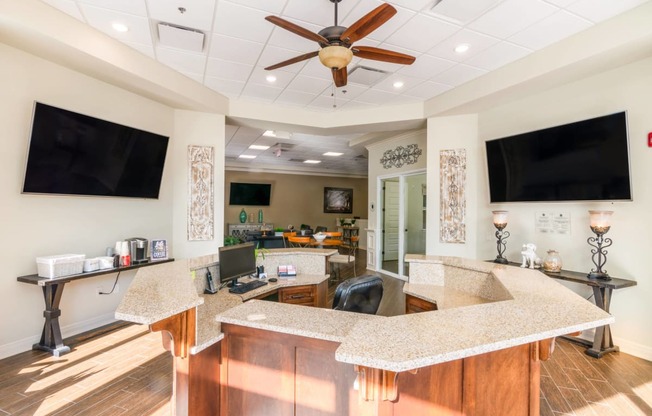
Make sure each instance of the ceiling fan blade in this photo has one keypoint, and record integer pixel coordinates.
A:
(294, 60)
(339, 76)
(297, 30)
(377, 54)
(368, 23)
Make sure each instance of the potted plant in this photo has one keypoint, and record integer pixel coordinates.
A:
(353, 222)
(278, 231)
(230, 240)
(342, 221)
(260, 252)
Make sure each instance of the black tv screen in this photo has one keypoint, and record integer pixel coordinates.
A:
(74, 154)
(583, 161)
(249, 193)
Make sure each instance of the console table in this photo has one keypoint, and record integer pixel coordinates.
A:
(602, 291)
(51, 340)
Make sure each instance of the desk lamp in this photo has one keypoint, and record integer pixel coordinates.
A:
(600, 222)
(500, 222)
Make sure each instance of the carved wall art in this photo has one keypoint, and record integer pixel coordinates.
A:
(200, 189)
(452, 226)
(402, 155)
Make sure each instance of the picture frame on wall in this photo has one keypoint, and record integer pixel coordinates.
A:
(159, 250)
(338, 200)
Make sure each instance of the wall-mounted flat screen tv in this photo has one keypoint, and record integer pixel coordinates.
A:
(74, 154)
(583, 161)
(250, 193)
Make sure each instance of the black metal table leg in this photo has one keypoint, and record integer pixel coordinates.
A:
(602, 342)
(51, 340)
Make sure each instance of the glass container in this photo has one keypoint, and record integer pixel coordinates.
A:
(552, 262)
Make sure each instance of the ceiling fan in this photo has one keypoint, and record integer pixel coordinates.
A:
(336, 51)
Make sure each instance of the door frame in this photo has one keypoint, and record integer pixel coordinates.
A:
(401, 220)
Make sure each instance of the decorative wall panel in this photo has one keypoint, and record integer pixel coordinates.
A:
(200, 189)
(452, 226)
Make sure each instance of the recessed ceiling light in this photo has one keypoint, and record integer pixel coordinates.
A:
(462, 48)
(314, 162)
(258, 147)
(271, 79)
(269, 133)
(398, 84)
(120, 27)
(333, 154)
(247, 157)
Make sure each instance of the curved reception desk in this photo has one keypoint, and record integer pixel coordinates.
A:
(470, 343)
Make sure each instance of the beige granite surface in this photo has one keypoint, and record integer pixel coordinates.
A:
(445, 297)
(318, 323)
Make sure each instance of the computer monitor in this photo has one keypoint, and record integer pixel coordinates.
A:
(236, 261)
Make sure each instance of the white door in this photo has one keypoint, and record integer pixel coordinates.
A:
(391, 208)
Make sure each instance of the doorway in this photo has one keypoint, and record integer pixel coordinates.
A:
(401, 221)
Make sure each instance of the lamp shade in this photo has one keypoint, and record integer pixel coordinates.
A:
(335, 56)
(600, 221)
(500, 218)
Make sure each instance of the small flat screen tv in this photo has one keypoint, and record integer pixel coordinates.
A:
(74, 154)
(236, 261)
(250, 193)
(583, 161)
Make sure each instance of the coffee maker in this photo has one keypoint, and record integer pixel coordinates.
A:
(138, 249)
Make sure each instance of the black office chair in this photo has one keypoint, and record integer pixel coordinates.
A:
(320, 229)
(359, 294)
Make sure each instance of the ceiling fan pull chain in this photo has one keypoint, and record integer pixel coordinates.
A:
(334, 98)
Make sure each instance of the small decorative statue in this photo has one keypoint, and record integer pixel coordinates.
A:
(529, 255)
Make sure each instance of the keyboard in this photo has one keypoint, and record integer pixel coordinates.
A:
(247, 287)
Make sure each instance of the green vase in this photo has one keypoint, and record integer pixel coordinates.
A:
(243, 216)
(260, 215)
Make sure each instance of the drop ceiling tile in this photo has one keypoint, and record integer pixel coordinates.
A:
(102, 19)
(228, 70)
(314, 68)
(416, 5)
(135, 7)
(241, 22)
(355, 105)
(458, 75)
(599, 10)
(194, 76)
(261, 92)
(272, 55)
(181, 61)
(246, 135)
(512, 16)
(550, 30)
(308, 85)
(477, 43)
(67, 6)
(229, 132)
(428, 90)
(324, 104)
(425, 67)
(317, 12)
(347, 92)
(272, 6)
(228, 87)
(295, 98)
(561, 3)
(402, 99)
(461, 12)
(283, 78)
(498, 55)
(421, 33)
(387, 84)
(375, 96)
(235, 50)
(198, 14)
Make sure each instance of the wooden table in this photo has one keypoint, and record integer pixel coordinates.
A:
(602, 292)
(51, 340)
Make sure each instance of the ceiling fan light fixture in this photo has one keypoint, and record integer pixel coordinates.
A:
(335, 56)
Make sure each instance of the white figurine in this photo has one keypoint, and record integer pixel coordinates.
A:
(530, 258)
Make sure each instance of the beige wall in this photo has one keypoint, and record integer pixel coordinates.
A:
(296, 199)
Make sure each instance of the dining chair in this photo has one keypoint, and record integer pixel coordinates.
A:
(296, 241)
(285, 238)
(346, 255)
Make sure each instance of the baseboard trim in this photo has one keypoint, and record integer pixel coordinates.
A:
(634, 348)
(69, 332)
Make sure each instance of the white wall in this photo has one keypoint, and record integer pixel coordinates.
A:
(38, 225)
(628, 88)
(448, 133)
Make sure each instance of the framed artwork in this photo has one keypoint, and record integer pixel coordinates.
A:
(159, 250)
(338, 200)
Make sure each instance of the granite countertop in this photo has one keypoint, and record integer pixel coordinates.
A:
(514, 306)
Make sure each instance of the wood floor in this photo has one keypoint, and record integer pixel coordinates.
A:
(127, 372)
